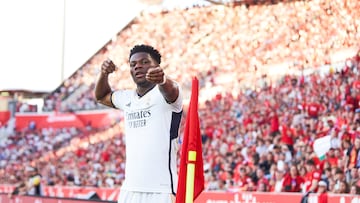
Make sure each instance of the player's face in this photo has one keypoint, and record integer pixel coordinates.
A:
(139, 65)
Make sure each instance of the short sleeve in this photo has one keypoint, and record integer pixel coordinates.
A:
(119, 98)
(177, 105)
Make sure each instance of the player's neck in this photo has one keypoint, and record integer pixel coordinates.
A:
(141, 91)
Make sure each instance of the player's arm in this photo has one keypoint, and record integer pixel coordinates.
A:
(102, 87)
(169, 89)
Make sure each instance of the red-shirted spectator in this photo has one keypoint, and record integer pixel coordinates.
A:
(311, 178)
(287, 134)
(292, 181)
(274, 124)
(351, 101)
(331, 158)
(243, 180)
(314, 108)
(322, 192)
(356, 84)
(105, 156)
(261, 179)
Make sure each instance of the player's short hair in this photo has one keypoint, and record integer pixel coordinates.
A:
(148, 49)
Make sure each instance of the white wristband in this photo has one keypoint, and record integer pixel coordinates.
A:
(164, 81)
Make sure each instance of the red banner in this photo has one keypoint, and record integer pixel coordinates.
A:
(94, 119)
(248, 197)
(336, 198)
(111, 194)
(29, 199)
(4, 117)
(267, 197)
(106, 194)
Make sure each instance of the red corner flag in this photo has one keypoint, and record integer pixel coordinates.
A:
(191, 170)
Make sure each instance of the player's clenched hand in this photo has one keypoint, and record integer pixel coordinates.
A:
(108, 67)
(155, 75)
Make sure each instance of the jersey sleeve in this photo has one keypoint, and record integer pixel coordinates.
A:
(119, 98)
(177, 105)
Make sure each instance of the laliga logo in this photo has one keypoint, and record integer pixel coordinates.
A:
(61, 118)
(314, 199)
(38, 201)
(245, 198)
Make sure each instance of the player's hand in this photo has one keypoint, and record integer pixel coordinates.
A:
(108, 67)
(155, 75)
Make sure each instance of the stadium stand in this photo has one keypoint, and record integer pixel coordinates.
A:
(273, 79)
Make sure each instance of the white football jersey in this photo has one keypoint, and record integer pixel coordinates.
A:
(151, 129)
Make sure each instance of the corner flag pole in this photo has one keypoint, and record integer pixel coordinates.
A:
(190, 177)
(191, 170)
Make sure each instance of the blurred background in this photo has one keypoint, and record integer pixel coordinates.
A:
(277, 77)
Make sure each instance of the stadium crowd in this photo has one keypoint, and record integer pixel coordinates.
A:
(284, 36)
(264, 138)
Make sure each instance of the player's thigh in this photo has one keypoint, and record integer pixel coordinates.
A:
(145, 197)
